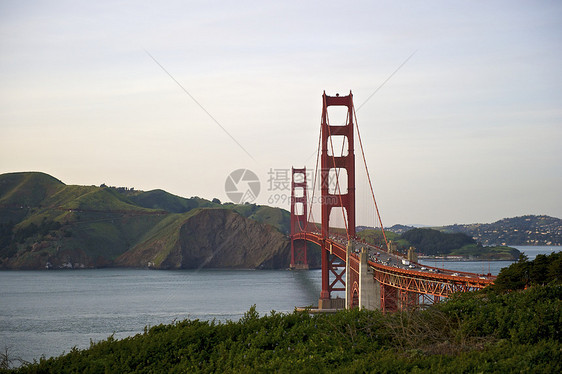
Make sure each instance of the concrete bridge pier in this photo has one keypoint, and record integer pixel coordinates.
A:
(369, 288)
(331, 304)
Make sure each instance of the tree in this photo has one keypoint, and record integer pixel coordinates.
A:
(542, 270)
(539, 270)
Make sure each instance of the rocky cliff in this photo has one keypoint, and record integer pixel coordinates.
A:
(212, 238)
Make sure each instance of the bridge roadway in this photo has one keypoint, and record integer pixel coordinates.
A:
(388, 269)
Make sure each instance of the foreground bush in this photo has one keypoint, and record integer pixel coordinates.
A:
(474, 332)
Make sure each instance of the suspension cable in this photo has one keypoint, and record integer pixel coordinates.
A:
(369, 179)
(310, 213)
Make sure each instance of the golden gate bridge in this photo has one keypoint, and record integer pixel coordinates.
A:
(372, 277)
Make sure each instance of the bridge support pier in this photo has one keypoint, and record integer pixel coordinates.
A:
(369, 287)
(337, 303)
(334, 265)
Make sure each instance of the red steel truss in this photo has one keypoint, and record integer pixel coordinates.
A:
(400, 288)
(440, 285)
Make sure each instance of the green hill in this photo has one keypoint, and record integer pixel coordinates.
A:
(21, 192)
(160, 199)
(26, 189)
(45, 223)
(432, 242)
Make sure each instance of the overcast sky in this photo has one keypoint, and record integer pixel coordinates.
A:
(468, 130)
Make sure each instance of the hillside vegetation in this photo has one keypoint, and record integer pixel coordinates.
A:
(47, 224)
(437, 243)
(489, 331)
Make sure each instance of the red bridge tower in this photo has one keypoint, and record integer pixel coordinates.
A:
(333, 168)
(298, 218)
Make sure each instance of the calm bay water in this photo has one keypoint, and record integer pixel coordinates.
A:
(492, 267)
(49, 312)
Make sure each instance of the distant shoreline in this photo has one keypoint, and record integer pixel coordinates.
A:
(449, 259)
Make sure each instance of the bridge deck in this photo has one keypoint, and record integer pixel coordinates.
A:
(388, 269)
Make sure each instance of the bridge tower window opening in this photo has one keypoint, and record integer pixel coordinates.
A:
(299, 209)
(338, 146)
(337, 181)
(337, 221)
(338, 115)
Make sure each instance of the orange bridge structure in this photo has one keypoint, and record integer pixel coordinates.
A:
(371, 277)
